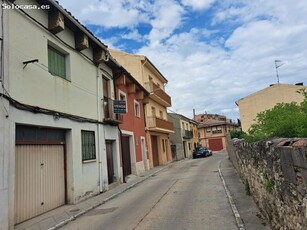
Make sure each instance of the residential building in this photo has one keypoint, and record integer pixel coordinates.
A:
(195, 139)
(265, 99)
(59, 135)
(158, 127)
(213, 129)
(134, 153)
(182, 139)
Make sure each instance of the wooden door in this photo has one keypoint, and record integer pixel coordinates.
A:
(126, 156)
(110, 162)
(155, 153)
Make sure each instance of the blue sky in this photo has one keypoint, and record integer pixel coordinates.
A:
(212, 52)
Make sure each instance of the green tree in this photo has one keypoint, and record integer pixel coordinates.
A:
(237, 134)
(283, 120)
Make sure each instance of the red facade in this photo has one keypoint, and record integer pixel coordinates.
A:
(134, 119)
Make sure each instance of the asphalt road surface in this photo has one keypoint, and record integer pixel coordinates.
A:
(187, 195)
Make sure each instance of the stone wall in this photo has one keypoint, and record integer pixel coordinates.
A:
(275, 174)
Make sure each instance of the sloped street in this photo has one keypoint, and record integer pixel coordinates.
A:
(187, 195)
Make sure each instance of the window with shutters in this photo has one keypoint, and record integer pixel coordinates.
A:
(57, 62)
(88, 145)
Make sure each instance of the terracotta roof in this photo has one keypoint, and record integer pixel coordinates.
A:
(210, 123)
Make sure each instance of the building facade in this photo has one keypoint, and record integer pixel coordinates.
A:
(182, 144)
(158, 127)
(133, 141)
(59, 135)
(213, 129)
(267, 98)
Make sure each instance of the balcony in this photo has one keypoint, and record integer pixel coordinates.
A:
(187, 134)
(158, 95)
(159, 125)
(109, 116)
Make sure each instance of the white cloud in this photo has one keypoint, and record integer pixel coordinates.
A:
(133, 35)
(109, 13)
(198, 4)
(167, 17)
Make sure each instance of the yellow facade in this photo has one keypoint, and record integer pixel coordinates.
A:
(265, 99)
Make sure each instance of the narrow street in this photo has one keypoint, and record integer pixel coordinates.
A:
(187, 195)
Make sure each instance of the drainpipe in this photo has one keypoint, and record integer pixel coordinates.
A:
(99, 131)
(121, 148)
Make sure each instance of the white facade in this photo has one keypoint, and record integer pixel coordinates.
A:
(71, 105)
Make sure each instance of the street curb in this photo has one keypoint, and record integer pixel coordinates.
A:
(61, 224)
(235, 211)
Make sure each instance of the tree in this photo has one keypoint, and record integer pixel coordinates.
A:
(283, 120)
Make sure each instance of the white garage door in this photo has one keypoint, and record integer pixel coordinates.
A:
(40, 184)
(40, 176)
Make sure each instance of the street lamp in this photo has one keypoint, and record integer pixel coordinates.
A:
(276, 67)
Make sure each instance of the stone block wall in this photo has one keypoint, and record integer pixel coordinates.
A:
(275, 174)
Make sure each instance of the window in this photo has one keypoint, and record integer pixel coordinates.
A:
(161, 114)
(56, 62)
(106, 98)
(88, 145)
(123, 97)
(137, 111)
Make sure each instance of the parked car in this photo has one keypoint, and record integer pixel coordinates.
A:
(202, 152)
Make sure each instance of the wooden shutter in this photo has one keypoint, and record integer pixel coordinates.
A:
(56, 62)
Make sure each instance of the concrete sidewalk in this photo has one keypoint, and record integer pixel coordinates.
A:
(64, 214)
(248, 215)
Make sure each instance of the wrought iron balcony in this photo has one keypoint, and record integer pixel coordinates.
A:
(158, 94)
(160, 125)
(109, 116)
(187, 134)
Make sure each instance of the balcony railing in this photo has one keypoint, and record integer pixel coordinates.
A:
(187, 134)
(158, 94)
(109, 116)
(158, 124)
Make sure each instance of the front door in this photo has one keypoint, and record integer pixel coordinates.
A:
(126, 156)
(155, 153)
(110, 161)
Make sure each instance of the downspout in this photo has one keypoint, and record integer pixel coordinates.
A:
(99, 131)
(121, 148)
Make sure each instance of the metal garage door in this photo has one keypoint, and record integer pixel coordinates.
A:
(40, 176)
(216, 144)
(40, 184)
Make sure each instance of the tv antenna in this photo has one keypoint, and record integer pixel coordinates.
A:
(277, 65)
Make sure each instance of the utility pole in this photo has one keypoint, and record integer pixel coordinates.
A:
(276, 67)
